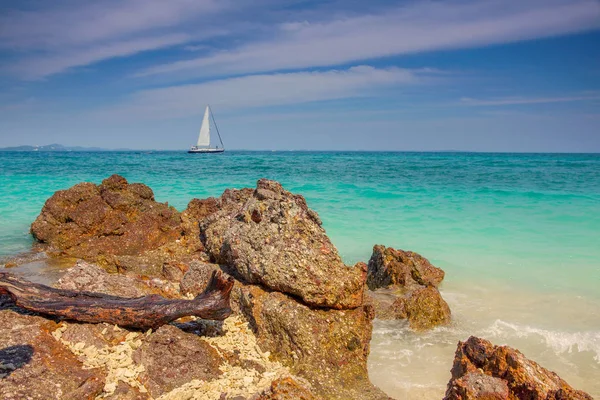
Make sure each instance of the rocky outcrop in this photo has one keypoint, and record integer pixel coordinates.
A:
(304, 306)
(404, 285)
(482, 370)
(115, 223)
(273, 239)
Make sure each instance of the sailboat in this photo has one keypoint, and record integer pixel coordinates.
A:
(203, 145)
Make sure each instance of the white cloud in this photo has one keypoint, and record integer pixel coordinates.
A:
(40, 67)
(263, 90)
(421, 26)
(75, 34)
(509, 101)
(75, 24)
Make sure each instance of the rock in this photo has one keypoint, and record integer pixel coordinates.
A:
(476, 385)
(479, 366)
(89, 277)
(389, 266)
(304, 305)
(102, 222)
(404, 286)
(172, 358)
(424, 309)
(272, 238)
(197, 276)
(287, 389)
(36, 366)
(196, 211)
(329, 348)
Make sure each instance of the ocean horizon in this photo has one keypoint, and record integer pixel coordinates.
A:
(517, 234)
(241, 150)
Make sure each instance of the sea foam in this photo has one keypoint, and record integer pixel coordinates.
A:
(559, 341)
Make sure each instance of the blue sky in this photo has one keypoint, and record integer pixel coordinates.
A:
(476, 75)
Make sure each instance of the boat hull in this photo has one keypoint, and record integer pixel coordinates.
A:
(205, 151)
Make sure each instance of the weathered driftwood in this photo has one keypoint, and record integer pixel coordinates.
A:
(142, 312)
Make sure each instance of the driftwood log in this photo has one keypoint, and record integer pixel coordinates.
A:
(141, 312)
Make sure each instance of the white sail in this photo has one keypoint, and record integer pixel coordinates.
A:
(204, 136)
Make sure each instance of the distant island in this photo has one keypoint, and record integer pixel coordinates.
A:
(56, 147)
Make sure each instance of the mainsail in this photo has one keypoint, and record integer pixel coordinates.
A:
(204, 137)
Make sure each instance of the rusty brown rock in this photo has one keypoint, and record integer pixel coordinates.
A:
(404, 286)
(524, 379)
(478, 386)
(329, 348)
(389, 266)
(172, 358)
(101, 222)
(272, 238)
(196, 211)
(36, 366)
(424, 309)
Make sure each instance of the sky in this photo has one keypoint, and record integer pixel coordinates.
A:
(470, 75)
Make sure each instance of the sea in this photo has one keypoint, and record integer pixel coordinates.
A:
(518, 236)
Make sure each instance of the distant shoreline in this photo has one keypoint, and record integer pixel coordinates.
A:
(65, 149)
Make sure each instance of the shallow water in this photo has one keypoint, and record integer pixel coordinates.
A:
(517, 234)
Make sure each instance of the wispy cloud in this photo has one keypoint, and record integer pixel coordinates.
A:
(264, 90)
(74, 23)
(72, 34)
(418, 27)
(510, 101)
(42, 66)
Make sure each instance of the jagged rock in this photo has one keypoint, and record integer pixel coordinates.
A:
(272, 238)
(172, 358)
(476, 360)
(112, 218)
(287, 389)
(404, 286)
(329, 348)
(389, 266)
(34, 365)
(107, 221)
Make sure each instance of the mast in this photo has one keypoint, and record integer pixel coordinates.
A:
(216, 127)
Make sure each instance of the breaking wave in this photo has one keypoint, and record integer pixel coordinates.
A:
(558, 341)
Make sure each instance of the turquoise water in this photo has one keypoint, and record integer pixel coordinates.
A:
(517, 234)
